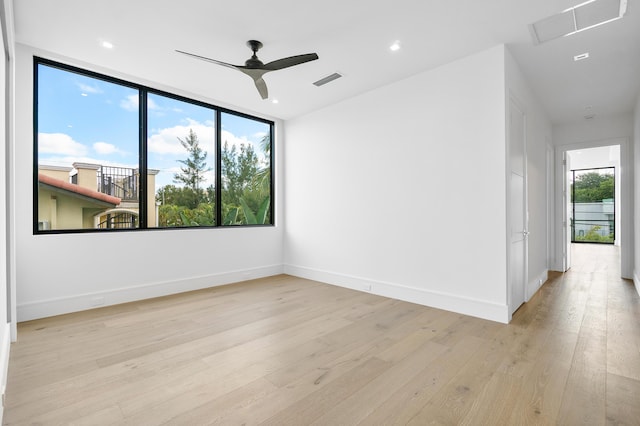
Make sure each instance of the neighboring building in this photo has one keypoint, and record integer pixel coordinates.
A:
(91, 196)
(589, 215)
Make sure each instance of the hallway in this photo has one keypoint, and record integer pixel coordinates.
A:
(604, 310)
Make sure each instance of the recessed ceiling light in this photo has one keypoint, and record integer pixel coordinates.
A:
(275, 101)
(581, 56)
(106, 44)
(395, 46)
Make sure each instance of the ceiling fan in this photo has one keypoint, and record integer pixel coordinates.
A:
(254, 68)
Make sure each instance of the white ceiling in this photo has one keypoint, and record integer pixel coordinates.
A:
(351, 37)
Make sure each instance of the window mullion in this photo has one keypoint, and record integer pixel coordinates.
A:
(218, 182)
(142, 191)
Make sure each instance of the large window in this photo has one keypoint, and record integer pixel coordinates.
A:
(113, 155)
(593, 205)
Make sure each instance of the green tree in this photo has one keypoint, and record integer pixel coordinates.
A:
(193, 170)
(256, 200)
(263, 176)
(238, 170)
(593, 187)
(183, 196)
(188, 204)
(246, 188)
(246, 194)
(593, 235)
(171, 215)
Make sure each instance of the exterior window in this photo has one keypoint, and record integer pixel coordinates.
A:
(113, 155)
(88, 152)
(181, 152)
(246, 171)
(593, 205)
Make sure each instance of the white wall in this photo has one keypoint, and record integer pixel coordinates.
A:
(381, 189)
(601, 131)
(538, 137)
(64, 273)
(597, 129)
(5, 330)
(636, 195)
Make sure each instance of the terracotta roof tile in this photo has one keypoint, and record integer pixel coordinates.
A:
(67, 186)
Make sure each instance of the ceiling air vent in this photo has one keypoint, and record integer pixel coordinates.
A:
(327, 79)
(586, 15)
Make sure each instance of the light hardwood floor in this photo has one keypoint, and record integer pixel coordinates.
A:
(287, 351)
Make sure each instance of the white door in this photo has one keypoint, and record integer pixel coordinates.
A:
(518, 216)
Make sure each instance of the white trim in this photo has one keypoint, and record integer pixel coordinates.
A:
(451, 302)
(9, 22)
(512, 100)
(5, 350)
(537, 282)
(550, 182)
(46, 308)
(636, 281)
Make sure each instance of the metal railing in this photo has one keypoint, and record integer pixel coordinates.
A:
(119, 181)
(582, 228)
(123, 220)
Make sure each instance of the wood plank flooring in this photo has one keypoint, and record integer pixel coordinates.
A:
(288, 351)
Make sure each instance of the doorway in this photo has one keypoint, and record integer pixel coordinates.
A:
(585, 158)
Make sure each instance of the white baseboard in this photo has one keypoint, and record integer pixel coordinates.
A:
(63, 305)
(435, 299)
(5, 350)
(534, 285)
(636, 282)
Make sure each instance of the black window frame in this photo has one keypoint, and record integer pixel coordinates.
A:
(573, 206)
(143, 91)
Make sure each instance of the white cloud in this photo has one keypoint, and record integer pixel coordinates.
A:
(165, 141)
(105, 148)
(59, 143)
(259, 135)
(233, 140)
(152, 105)
(130, 103)
(67, 161)
(85, 88)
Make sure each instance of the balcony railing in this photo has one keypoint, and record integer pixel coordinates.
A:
(124, 220)
(592, 230)
(118, 181)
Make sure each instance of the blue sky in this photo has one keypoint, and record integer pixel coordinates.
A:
(82, 119)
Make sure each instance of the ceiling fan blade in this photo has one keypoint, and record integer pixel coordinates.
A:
(255, 69)
(256, 76)
(290, 61)
(204, 58)
(262, 87)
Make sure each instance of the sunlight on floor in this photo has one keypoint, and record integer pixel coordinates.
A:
(587, 258)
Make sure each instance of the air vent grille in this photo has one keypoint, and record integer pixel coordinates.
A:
(327, 79)
(586, 15)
